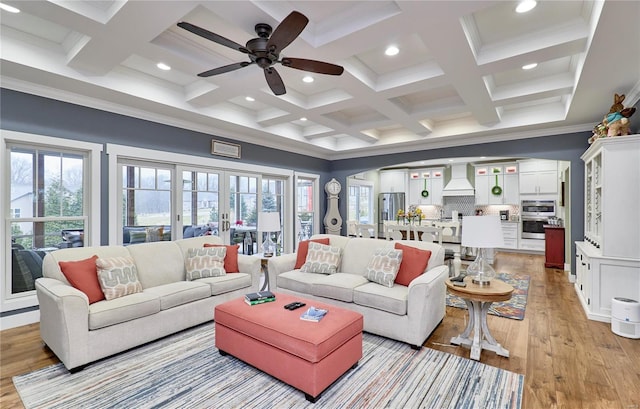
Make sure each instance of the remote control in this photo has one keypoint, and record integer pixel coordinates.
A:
(288, 306)
(459, 284)
(457, 278)
(297, 305)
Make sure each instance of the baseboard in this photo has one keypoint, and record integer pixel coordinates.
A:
(18, 320)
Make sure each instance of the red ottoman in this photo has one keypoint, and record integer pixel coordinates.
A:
(309, 356)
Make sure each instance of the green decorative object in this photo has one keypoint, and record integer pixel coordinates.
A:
(496, 190)
(425, 192)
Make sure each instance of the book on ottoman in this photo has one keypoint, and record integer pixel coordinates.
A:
(313, 314)
(259, 297)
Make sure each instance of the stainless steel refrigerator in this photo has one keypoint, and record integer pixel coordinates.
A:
(388, 206)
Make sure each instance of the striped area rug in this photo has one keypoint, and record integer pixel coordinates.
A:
(185, 370)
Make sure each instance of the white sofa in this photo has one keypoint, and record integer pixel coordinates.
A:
(79, 332)
(407, 314)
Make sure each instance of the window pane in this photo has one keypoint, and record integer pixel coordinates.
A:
(202, 181)
(164, 179)
(213, 182)
(147, 178)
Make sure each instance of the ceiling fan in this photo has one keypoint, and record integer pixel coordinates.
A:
(264, 51)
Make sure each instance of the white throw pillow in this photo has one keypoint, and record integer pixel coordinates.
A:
(205, 262)
(383, 267)
(118, 276)
(322, 259)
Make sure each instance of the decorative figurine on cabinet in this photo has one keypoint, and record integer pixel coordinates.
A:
(617, 120)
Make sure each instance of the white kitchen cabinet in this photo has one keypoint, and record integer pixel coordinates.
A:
(608, 261)
(506, 177)
(510, 234)
(532, 244)
(430, 179)
(538, 177)
(393, 180)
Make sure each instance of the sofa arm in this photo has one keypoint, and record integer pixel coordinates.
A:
(427, 292)
(253, 266)
(278, 265)
(64, 320)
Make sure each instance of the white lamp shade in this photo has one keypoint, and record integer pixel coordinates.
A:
(269, 221)
(482, 231)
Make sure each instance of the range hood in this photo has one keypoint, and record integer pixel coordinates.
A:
(460, 184)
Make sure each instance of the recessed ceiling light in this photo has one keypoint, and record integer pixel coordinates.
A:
(250, 99)
(391, 50)
(9, 8)
(303, 118)
(450, 160)
(530, 66)
(163, 66)
(308, 79)
(526, 5)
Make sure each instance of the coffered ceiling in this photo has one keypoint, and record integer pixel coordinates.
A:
(457, 78)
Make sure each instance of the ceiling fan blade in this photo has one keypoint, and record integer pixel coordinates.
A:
(313, 66)
(287, 31)
(216, 38)
(275, 82)
(226, 68)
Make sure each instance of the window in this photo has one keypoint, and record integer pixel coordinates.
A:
(200, 206)
(273, 201)
(306, 217)
(360, 203)
(146, 203)
(48, 204)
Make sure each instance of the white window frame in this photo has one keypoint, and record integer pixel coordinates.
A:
(315, 178)
(178, 160)
(91, 181)
(358, 182)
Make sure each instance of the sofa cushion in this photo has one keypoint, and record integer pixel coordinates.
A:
(158, 263)
(118, 277)
(180, 292)
(383, 266)
(303, 249)
(230, 259)
(297, 280)
(205, 262)
(338, 286)
(322, 259)
(358, 252)
(374, 295)
(414, 263)
(227, 283)
(154, 233)
(83, 275)
(105, 313)
(137, 236)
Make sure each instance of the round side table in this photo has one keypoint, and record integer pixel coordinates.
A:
(479, 299)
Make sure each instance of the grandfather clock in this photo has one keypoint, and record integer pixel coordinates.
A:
(332, 219)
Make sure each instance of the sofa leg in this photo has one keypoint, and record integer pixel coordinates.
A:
(77, 369)
(416, 347)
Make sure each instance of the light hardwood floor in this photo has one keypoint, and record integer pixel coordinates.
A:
(568, 361)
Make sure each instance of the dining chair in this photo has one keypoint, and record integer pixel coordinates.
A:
(393, 232)
(367, 231)
(428, 233)
(352, 230)
(449, 228)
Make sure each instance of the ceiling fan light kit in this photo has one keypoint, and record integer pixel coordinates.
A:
(264, 51)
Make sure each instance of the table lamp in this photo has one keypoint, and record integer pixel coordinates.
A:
(269, 222)
(482, 232)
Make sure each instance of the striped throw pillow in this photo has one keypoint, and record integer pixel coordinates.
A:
(322, 259)
(384, 266)
(118, 277)
(205, 262)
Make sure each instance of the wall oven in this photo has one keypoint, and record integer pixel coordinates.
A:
(535, 214)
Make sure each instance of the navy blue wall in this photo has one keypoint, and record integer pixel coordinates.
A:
(33, 114)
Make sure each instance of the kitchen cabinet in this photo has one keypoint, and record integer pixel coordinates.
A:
(608, 260)
(505, 176)
(510, 234)
(429, 179)
(538, 177)
(554, 247)
(393, 180)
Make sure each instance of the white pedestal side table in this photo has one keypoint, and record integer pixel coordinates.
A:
(478, 299)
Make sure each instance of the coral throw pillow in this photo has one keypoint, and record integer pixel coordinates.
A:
(231, 259)
(83, 275)
(303, 249)
(414, 263)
